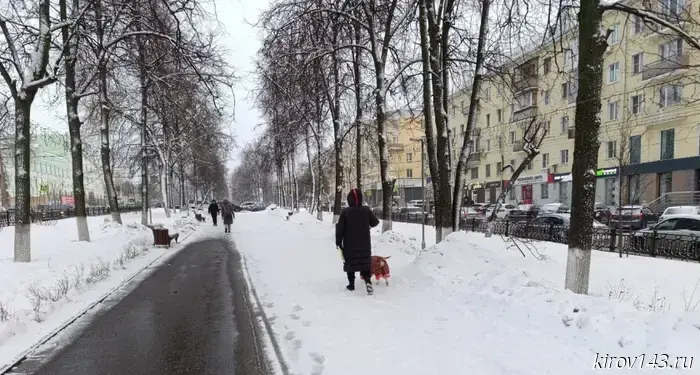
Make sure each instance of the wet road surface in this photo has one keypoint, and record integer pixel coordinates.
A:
(191, 316)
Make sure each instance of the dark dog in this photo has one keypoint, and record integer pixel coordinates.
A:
(380, 268)
(172, 237)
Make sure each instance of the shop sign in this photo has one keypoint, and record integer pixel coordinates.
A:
(532, 179)
(606, 172)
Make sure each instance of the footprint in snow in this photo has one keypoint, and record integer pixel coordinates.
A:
(318, 366)
(306, 323)
(294, 316)
(297, 308)
(269, 304)
(290, 335)
(294, 352)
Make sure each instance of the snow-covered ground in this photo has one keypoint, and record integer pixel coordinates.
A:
(66, 276)
(467, 305)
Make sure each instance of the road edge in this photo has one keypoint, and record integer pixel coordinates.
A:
(267, 333)
(67, 323)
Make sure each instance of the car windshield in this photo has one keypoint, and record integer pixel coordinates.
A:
(679, 210)
(629, 210)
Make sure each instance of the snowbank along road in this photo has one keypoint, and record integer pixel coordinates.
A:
(191, 316)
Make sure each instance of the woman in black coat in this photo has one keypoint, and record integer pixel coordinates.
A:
(352, 236)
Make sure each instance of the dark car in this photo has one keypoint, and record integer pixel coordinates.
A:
(633, 217)
(523, 213)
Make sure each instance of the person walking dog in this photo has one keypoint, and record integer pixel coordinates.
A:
(214, 211)
(227, 214)
(352, 237)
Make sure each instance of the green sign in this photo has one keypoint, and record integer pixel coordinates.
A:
(44, 188)
(606, 172)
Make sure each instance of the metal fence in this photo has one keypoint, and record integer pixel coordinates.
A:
(52, 215)
(645, 243)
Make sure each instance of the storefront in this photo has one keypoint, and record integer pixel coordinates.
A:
(493, 189)
(527, 189)
(476, 192)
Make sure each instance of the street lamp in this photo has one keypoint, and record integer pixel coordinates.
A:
(422, 184)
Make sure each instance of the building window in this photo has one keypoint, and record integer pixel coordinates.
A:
(614, 110)
(488, 119)
(614, 37)
(499, 115)
(609, 189)
(637, 104)
(544, 191)
(564, 90)
(547, 65)
(488, 145)
(611, 149)
(564, 156)
(475, 173)
(529, 166)
(487, 94)
(670, 95)
(564, 124)
(637, 25)
(571, 55)
(511, 193)
(512, 136)
(487, 172)
(672, 8)
(633, 189)
(635, 149)
(461, 128)
(637, 62)
(667, 139)
(409, 157)
(563, 192)
(409, 173)
(671, 49)
(545, 128)
(499, 168)
(500, 142)
(614, 72)
(545, 94)
(545, 161)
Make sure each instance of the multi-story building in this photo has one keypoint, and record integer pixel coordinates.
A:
(404, 132)
(50, 171)
(649, 135)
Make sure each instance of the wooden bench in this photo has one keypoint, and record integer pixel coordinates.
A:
(162, 236)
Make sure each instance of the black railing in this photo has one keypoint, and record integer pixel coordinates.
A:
(644, 242)
(39, 216)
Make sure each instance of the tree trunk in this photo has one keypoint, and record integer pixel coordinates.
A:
(74, 123)
(104, 121)
(358, 103)
(319, 172)
(295, 184)
(467, 144)
(387, 183)
(183, 203)
(164, 190)
(586, 145)
(23, 195)
(311, 171)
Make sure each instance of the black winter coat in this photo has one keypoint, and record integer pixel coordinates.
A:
(352, 234)
(214, 209)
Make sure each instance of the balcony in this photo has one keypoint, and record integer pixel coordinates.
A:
(518, 145)
(475, 158)
(524, 113)
(524, 83)
(664, 65)
(572, 133)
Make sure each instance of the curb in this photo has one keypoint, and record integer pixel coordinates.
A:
(23, 356)
(269, 333)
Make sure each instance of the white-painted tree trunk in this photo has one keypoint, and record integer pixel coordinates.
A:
(23, 232)
(164, 191)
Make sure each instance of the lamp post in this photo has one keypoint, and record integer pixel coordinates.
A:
(422, 184)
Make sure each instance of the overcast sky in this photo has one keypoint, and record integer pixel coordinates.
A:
(242, 40)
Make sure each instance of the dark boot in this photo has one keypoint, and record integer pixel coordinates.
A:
(351, 281)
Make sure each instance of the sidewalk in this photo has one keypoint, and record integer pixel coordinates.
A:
(66, 276)
(465, 306)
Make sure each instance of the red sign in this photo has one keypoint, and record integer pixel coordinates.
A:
(67, 200)
(526, 191)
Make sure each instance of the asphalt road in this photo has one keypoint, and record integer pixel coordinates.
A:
(191, 316)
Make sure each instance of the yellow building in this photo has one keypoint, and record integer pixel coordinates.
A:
(649, 133)
(403, 131)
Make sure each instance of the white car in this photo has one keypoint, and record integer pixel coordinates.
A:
(674, 211)
(552, 208)
(503, 210)
(682, 224)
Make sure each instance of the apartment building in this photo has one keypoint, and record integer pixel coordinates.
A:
(404, 131)
(649, 134)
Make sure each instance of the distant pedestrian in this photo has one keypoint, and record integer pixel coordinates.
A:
(352, 236)
(214, 210)
(227, 214)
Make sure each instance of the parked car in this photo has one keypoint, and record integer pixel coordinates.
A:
(601, 213)
(523, 213)
(679, 210)
(554, 208)
(548, 226)
(632, 217)
(413, 213)
(682, 229)
(503, 210)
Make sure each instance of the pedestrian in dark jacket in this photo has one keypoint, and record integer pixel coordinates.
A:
(228, 215)
(352, 236)
(214, 210)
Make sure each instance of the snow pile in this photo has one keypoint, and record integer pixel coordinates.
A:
(467, 305)
(65, 276)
